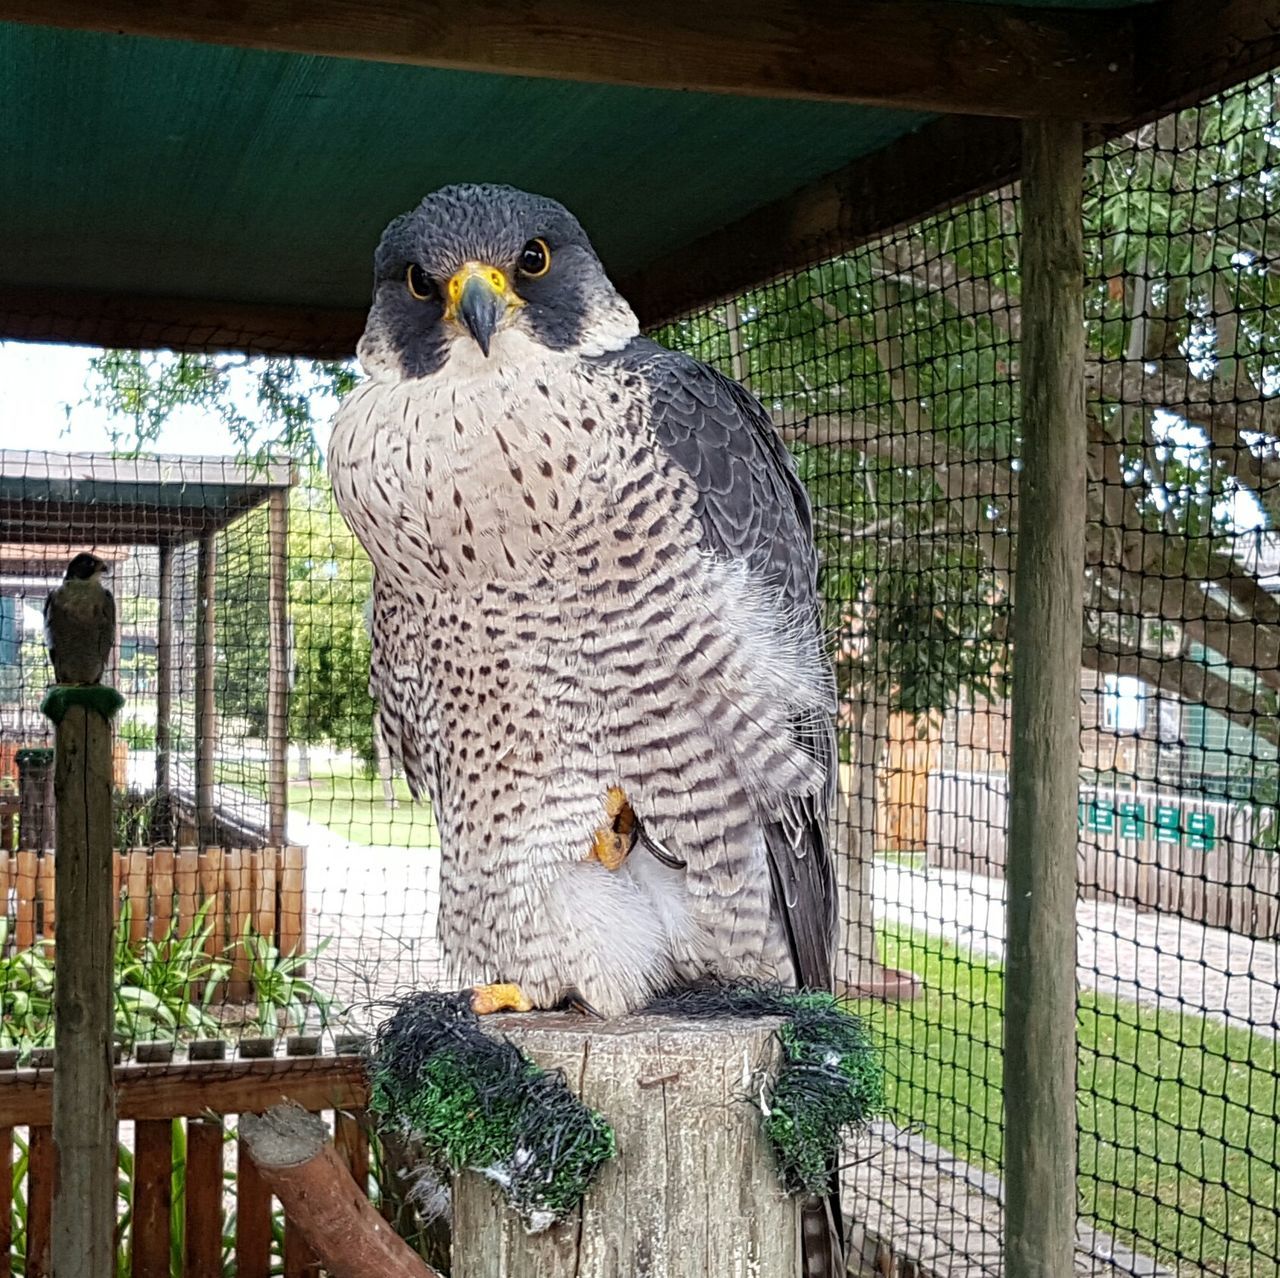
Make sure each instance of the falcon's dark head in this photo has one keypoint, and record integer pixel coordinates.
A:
(472, 265)
(85, 566)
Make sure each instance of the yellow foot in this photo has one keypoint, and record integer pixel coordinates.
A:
(487, 999)
(614, 840)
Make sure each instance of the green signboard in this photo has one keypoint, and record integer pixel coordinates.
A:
(1138, 819)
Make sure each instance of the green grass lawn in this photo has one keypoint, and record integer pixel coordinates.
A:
(352, 807)
(1178, 1133)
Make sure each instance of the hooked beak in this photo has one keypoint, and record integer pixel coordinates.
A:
(479, 299)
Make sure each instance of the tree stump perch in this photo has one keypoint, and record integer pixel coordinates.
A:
(692, 1192)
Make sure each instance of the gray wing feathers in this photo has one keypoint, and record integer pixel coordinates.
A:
(107, 627)
(753, 507)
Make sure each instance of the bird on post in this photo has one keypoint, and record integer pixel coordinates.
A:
(80, 622)
(596, 641)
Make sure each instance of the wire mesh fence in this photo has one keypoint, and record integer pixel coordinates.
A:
(892, 371)
(257, 804)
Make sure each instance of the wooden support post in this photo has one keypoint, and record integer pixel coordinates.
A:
(1040, 977)
(206, 707)
(738, 366)
(692, 1191)
(84, 1121)
(164, 700)
(277, 666)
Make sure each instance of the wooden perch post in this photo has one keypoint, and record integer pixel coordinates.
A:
(298, 1163)
(84, 1118)
(692, 1191)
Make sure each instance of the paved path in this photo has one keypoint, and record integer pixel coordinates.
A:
(379, 904)
(1157, 959)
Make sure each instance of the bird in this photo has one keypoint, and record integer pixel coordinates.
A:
(80, 622)
(597, 644)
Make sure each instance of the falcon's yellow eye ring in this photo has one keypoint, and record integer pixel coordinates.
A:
(535, 259)
(417, 282)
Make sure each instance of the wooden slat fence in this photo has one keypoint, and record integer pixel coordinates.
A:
(1202, 865)
(164, 888)
(222, 1204)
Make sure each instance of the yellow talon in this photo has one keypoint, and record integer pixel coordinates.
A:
(503, 997)
(611, 844)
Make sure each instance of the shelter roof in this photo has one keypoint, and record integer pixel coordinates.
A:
(217, 174)
(55, 499)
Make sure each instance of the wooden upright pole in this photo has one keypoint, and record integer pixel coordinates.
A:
(84, 1117)
(164, 699)
(277, 666)
(1040, 976)
(206, 707)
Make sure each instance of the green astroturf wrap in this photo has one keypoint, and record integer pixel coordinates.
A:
(475, 1102)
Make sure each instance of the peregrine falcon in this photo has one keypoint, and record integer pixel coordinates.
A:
(596, 638)
(80, 622)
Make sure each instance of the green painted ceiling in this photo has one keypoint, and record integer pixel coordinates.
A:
(177, 169)
(164, 167)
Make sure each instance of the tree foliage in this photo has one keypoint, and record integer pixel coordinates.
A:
(330, 583)
(330, 589)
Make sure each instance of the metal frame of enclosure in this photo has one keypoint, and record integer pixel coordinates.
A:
(61, 500)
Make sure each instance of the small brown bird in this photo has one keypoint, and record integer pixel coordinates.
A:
(80, 622)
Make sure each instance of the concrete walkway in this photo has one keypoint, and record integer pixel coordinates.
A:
(379, 906)
(1157, 959)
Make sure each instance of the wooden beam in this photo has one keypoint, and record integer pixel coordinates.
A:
(172, 323)
(1180, 59)
(206, 718)
(1187, 51)
(189, 1090)
(277, 666)
(102, 524)
(164, 699)
(923, 55)
(935, 168)
(1044, 780)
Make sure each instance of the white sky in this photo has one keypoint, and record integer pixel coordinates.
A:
(45, 402)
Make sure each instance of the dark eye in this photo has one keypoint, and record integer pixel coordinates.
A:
(535, 258)
(419, 285)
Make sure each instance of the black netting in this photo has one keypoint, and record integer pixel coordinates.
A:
(893, 371)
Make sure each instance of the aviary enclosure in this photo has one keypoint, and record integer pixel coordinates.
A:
(1027, 370)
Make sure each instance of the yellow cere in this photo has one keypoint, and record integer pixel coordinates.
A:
(493, 277)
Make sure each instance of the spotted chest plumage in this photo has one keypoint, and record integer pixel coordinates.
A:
(569, 635)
